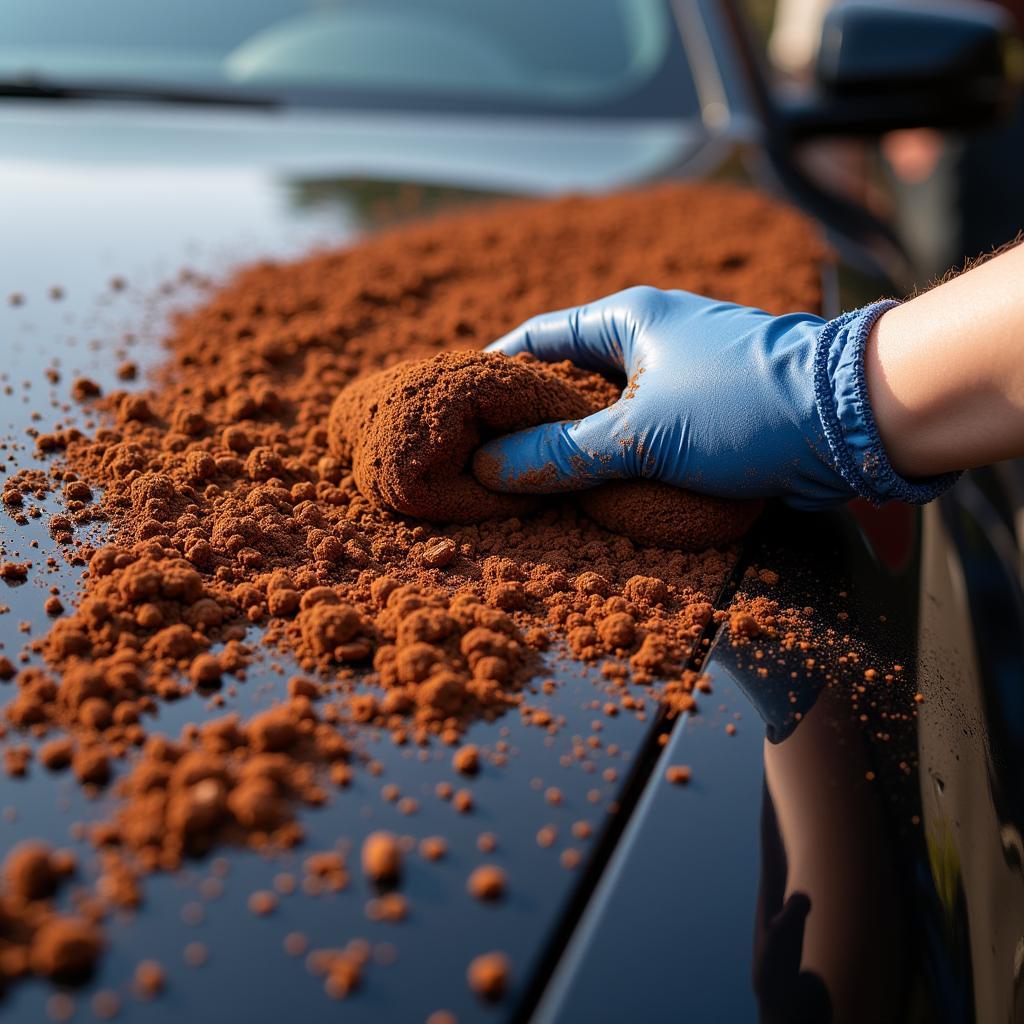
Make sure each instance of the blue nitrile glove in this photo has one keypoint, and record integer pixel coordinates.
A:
(722, 399)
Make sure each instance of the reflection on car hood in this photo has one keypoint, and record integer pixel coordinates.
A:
(89, 187)
(505, 152)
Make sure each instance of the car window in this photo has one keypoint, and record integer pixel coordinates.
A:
(619, 56)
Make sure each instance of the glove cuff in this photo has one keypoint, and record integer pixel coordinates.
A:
(841, 395)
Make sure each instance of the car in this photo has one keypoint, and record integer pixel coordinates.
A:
(838, 857)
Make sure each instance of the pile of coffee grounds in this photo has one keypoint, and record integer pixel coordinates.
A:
(225, 506)
(228, 507)
(652, 513)
(410, 434)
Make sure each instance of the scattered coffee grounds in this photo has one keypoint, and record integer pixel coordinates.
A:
(196, 954)
(487, 882)
(382, 857)
(60, 1007)
(546, 836)
(65, 948)
(180, 798)
(33, 871)
(342, 969)
(433, 847)
(389, 906)
(105, 1004)
(466, 760)
(150, 979)
(325, 871)
(442, 1017)
(34, 938)
(262, 902)
(678, 774)
(570, 858)
(285, 883)
(488, 975)
(14, 572)
(227, 499)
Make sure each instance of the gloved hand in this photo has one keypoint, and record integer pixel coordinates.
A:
(720, 399)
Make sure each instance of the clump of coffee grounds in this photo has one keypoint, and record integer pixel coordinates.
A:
(225, 507)
(34, 937)
(653, 513)
(410, 434)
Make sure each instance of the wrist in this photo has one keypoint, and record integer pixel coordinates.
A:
(945, 375)
(900, 422)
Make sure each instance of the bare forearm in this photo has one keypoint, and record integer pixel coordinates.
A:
(945, 371)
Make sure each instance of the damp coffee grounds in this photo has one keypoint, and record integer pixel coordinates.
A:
(658, 515)
(410, 432)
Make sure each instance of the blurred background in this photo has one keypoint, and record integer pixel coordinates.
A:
(952, 195)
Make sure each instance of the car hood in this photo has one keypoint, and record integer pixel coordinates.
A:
(86, 183)
(92, 192)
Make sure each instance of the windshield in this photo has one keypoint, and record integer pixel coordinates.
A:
(613, 57)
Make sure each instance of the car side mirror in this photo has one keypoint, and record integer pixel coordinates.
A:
(909, 64)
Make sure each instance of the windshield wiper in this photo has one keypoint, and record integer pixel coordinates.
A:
(36, 88)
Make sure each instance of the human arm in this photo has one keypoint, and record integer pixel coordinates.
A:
(945, 371)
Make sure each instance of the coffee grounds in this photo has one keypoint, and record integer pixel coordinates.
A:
(433, 847)
(442, 1017)
(34, 938)
(150, 979)
(466, 760)
(382, 857)
(225, 506)
(488, 975)
(65, 948)
(410, 434)
(650, 512)
(487, 882)
(33, 872)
